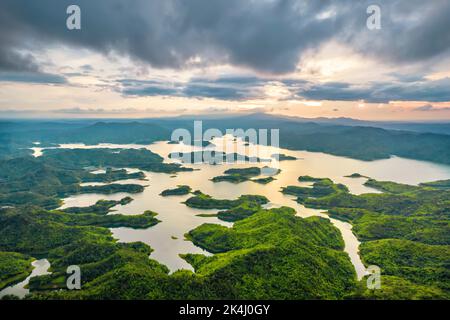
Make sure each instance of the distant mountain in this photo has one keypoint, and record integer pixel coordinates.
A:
(341, 136)
(113, 132)
(430, 126)
(356, 141)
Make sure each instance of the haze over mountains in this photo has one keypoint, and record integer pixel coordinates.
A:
(344, 137)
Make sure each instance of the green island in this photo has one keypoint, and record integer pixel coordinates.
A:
(265, 180)
(142, 159)
(356, 175)
(178, 191)
(111, 175)
(239, 175)
(204, 201)
(201, 143)
(321, 187)
(283, 157)
(405, 230)
(214, 157)
(241, 208)
(108, 189)
(100, 207)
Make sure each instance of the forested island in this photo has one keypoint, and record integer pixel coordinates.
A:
(214, 157)
(178, 191)
(246, 174)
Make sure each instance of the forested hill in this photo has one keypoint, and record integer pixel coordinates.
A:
(355, 141)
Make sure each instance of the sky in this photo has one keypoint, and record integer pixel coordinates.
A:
(136, 58)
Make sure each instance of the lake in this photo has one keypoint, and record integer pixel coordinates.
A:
(167, 237)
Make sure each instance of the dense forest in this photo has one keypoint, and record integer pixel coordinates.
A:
(405, 230)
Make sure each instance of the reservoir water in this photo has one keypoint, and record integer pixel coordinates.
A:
(167, 237)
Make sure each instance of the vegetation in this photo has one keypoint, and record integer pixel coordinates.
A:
(14, 267)
(275, 240)
(396, 288)
(355, 175)
(34, 231)
(283, 157)
(321, 187)
(405, 230)
(142, 159)
(111, 188)
(113, 175)
(238, 175)
(58, 173)
(281, 260)
(441, 184)
(267, 254)
(265, 180)
(359, 142)
(214, 157)
(203, 201)
(178, 191)
(100, 207)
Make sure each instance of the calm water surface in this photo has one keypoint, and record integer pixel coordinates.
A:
(167, 237)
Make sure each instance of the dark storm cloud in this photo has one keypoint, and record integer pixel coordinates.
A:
(245, 88)
(32, 77)
(429, 107)
(412, 30)
(15, 61)
(380, 92)
(265, 35)
(226, 88)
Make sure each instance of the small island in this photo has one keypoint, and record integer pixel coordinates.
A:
(100, 207)
(204, 201)
(111, 175)
(241, 208)
(265, 180)
(321, 187)
(355, 175)
(309, 179)
(110, 189)
(178, 191)
(239, 175)
(283, 157)
(214, 157)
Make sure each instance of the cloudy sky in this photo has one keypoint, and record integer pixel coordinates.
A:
(142, 58)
